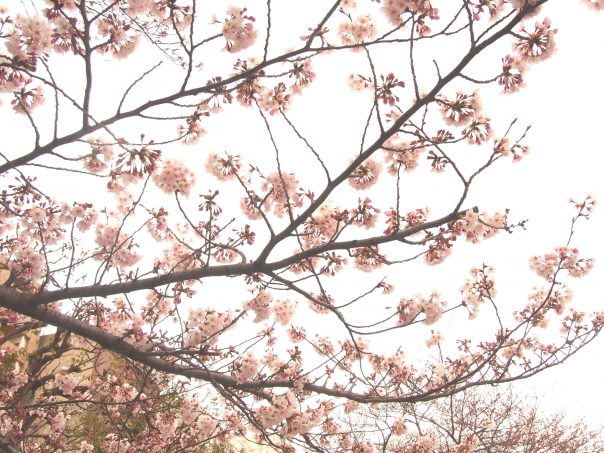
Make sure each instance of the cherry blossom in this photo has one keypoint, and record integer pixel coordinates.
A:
(238, 30)
(174, 176)
(141, 307)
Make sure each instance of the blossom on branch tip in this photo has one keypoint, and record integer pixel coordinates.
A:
(538, 44)
(357, 31)
(462, 109)
(399, 426)
(223, 168)
(238, 30)
(365, 174)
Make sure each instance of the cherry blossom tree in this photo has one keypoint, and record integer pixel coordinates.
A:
(471, 421)
(167, 199)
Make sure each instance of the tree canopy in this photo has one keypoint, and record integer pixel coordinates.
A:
(225, 216)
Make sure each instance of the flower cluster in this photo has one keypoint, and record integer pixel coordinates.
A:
(223, 168)
(365, 175)
(66, 383)
(31, 38)
(394, 366)
(536, 45)
(260, 305)
(511, 74)
(516, 150)
(595, 4)
(282, 194)
(367, 258)
(238, 30)
(399, 427)
(245, 368)
(274, 100)
(207, 324)
(120, 39)
(409, 308)
(541, 301)
(321, 227)
(394, 9)
(115, 246)
(357, 31)
(284, 311)
(547, 266)
(461, 110)
(479, 227)
(100, 156)
(477, 289)
(282, 407)
(175, 176)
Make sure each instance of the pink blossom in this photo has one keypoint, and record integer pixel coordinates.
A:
(357, 31)
(238, 30)
(399, 426)
(260, 305)
(93, 162)
(245, 368)
(28, 98)
(85, 447)
(193, 130)
(121, 42)
(223, 168)
(427, 443)
(478, 130)
(175, 176)
(598, 5)
(321, 227)
(283, 406)
(367, 258)
(480, 287)
(17, 381)
(209, 323)
(206, 426)
(363, 447)
(435, 339)
(402, 155)
(433, 307)
(250, 205)
(394, 9)
(365, 214)
(562, 258)
(117, 250)
(32, 37)
(511, 74)
(29, 263)
(538, 44)
(358, 83)
(58, 422)
(303, 75)
(274, 100)
(139, 7)
(462, 109)
(282, 192)
(468, 444)
(66, 383)
(37, 214)
(516, 151)
(284, 311)
(365, 175)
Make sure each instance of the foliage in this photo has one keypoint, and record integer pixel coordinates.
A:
(171, 208)
(476, 420)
